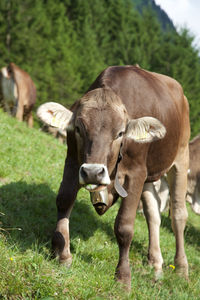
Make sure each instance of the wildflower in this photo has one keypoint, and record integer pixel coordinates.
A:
(171, 266)
(11, 258)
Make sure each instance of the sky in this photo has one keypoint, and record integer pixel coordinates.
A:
(184, 13)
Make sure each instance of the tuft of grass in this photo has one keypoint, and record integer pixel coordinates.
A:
(31, 167)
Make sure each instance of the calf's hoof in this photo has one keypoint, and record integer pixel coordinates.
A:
(60, 250)
(158, 275)
(181, 267)
(124, 278)
(65, 261)
(182, 271)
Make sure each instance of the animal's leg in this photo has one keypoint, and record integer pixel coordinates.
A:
(15, 105)
(196, 199)
(65, 200)
(20, 111)
(124, 229)
(178, 187)
(151, 206)
(30, 119)
(14, 110)
(162, 193)
(7, 107)
(193, 194)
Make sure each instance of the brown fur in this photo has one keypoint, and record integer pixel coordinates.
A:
(26, 93)
(120, 94)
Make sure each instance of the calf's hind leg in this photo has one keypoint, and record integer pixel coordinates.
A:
(151, 208)
(20, 111)
(178, 187)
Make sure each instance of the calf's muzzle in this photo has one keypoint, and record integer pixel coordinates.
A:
(94, 174)
(95, 178)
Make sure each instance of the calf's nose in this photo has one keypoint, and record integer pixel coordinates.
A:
(88, 173)
(94, 173)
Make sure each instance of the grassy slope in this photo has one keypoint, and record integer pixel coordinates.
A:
(31, 165)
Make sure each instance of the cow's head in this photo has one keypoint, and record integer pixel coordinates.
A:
(100, 123)
(7, 72)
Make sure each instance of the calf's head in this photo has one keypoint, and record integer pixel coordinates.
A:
(100, 122)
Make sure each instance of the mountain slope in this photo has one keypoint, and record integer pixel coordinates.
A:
(31, 166)
(163, 18)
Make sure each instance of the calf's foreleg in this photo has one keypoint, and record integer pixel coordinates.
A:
(65, 200)
(124, 230)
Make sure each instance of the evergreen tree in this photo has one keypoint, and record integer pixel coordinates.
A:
(64, 45)
(123, 30)
(149, 40)
(84, 16)
(43, 43)
(183, 64)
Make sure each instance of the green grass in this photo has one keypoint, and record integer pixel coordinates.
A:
(31, 166)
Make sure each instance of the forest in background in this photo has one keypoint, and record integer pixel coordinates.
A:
(65, 44)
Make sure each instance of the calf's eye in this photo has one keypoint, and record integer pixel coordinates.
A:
(77, 130)
(120, 134)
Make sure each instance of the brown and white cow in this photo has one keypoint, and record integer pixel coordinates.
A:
(18, 92)
(130, 128)
(193, 187)
(43, 112)
(193, 190)
(162, 195)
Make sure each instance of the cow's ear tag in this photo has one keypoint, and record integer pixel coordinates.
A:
(141, 136)
(54, 122)
(119, 188)
(145, 130)
(54, 114)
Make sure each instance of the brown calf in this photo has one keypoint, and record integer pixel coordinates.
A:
(18, 92)
(130, 128)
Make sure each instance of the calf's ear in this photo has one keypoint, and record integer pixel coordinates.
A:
(54, 114)
(145, 130)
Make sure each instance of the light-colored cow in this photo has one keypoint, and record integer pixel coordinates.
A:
(193, 186)
(18, 92)
(161, 189)
(193, 190)
(45, 113)
(59, 134)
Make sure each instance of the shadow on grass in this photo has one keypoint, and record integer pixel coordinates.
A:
(32, 208)
(139, 249)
